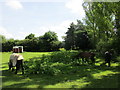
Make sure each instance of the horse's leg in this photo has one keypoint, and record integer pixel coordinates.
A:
(93, 61)
(17, 67)
(13, 69)
(22, 67)
(108, 63)
(10, 65)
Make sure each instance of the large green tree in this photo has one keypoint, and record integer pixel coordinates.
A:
(77, 37)
(70, 37)
(102, 18)
(50, 41)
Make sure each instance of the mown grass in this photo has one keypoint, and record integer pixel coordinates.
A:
(71, 76)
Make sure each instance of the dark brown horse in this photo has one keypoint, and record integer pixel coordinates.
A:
(86, 56)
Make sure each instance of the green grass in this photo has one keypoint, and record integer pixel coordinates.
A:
(82, 76)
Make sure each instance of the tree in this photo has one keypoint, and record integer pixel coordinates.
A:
(30, 45)
(30, 36)
(102, 18)
(70, 37)
(8, 45)
(82, 40)
(2, 38)
(50, 41)
(77, 37)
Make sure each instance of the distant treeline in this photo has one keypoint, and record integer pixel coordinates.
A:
(48, 42)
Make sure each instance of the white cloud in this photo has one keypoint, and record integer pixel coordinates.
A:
(15, 4)
(3, 31)
(21, 35)
(60, 29)
(76, 7)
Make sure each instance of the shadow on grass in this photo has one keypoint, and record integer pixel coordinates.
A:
(110, 81)
(69, 74)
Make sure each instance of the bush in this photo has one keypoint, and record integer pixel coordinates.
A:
(38, 66)
(49, 64)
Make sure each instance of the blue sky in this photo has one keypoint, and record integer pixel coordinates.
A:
(20, 18)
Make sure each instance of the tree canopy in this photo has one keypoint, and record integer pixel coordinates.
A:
(48, 42)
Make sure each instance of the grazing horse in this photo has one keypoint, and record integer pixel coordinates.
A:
(108, 56)
(86, 56)
(16, 60)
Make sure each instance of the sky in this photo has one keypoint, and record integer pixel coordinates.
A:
(20, 18)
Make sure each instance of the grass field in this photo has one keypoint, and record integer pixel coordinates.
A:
(83, 76)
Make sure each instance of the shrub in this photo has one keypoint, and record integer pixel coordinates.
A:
(49, 64)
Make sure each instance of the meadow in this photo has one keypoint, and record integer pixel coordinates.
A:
(58, 70)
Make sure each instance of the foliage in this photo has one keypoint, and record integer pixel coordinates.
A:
(103, 46)
(2, 38)
(48, 42)
(77, 37)
(49, 64)
(102, 20)
(70, 38)
(82, 40)
(30, 36)
(8, 45)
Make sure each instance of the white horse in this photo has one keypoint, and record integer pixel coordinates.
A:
(16, 60)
